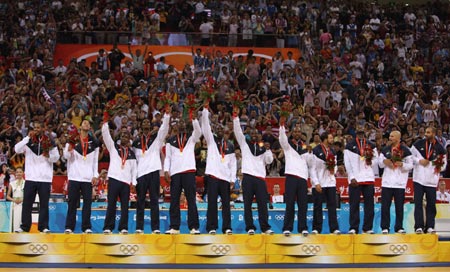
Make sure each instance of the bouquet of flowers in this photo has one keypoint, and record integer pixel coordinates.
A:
(238, 100)
(207, 93)
(285, 111)
(438, 163)
(45, 142)
(397, 155)
(164, 101)
(368, 154)
(73, 137)
(110, 109)
(190, 104)
(330, 162)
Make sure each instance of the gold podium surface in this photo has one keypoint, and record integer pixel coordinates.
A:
(221, 249)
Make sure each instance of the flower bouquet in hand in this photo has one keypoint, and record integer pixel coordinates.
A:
(285, 111)
(368, 155)
(164, 101)
(73, 138)
(44, 141)
(330, 162)
(238, 101)
(190, 104)
(438, 163)
(110, 109)
(207, 93)
(397, 155)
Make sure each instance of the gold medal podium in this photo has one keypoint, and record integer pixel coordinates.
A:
(222, 249)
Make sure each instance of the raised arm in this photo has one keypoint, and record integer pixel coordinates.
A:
(240, 138)
(283, 138)
(206, 127)
(20, 146)
(107, 139)
(96, 155)
(197, 133)
(164, 129)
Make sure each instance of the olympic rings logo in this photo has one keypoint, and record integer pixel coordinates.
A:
(38, 248)
(398, 249)
(311, 249)
(129, 249)
(221, 249)
(279, 217)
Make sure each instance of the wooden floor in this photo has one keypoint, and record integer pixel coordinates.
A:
(408, 269)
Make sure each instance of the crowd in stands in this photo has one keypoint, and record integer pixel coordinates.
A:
(382, 66)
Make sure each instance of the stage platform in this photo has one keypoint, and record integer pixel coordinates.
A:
(141, 249)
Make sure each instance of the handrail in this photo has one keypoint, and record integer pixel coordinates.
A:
(178, 38)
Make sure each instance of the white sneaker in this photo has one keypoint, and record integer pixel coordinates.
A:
(385, 231)
(401, 231)
(251, 232)
(337, 232)
(228, 232)
(314, 232)
(305, 232)
(19, 230)
(269, 232)
(286, 233)
(172, 231)
(369, 232)
(107, 231)
(124, 231)
(352, 231)
(195, 231)
(88, 231)
(157, 231)
(212, 232)
(45, 231)
(68, 231)
(139, 231)
(431, 231)
(419, 231)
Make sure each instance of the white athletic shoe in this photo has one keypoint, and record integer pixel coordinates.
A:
(431, 231)
(88, 231)
(156, 231)
(305, 232)
(401, 231)
(269, 232)
(228, 232)
(172, 231)
(45, 231)
(139, 231)
(107, 231)
(286, 233)
(369, 232)
(314, 232)
(195, 231)
(251, 232)
(337, 232)
(68, 231)
(419, 231)
(352, 231)
(124, 231)
(385, 231)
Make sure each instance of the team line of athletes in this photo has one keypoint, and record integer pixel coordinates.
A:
(137, 163)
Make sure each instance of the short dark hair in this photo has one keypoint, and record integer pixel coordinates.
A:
(324, 136)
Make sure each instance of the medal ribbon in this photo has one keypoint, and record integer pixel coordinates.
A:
(428, 150)
(182, 143)
(123, 154)
(84, 145)
(144, 144)
(223, 148)
(361, 148)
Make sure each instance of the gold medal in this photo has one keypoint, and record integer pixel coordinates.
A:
(143, 154)
(84, 157)
(304, 146)
(223, 159)
(362, 158)
(261, 144)
(181, 153)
